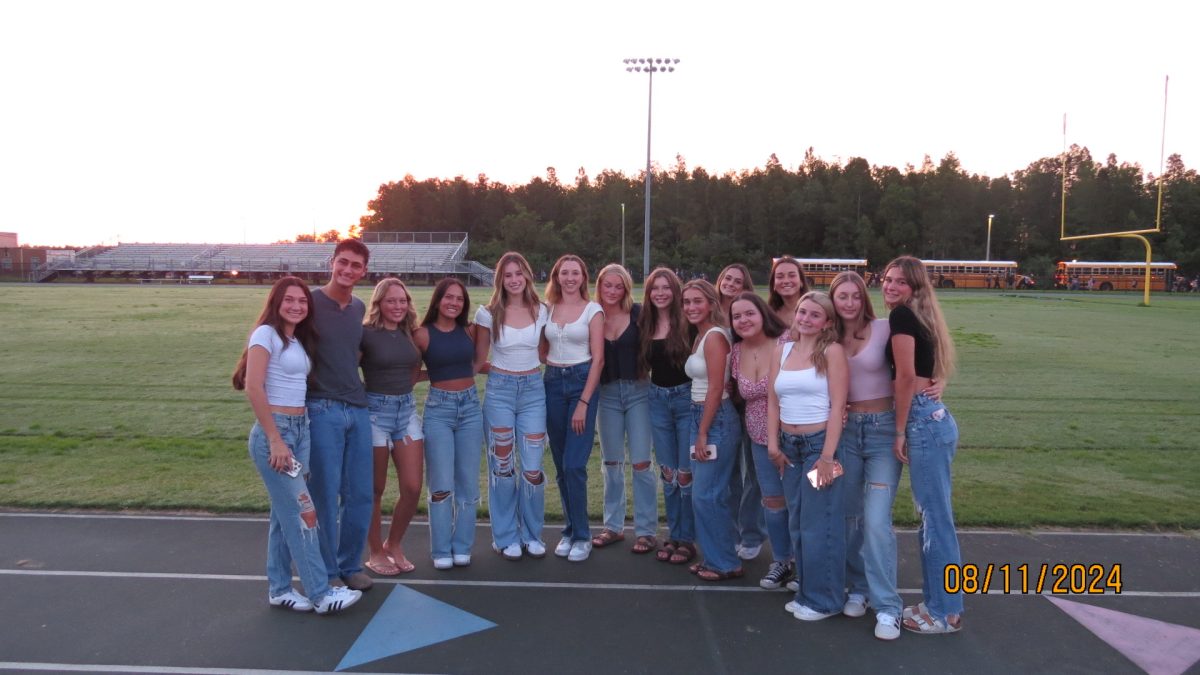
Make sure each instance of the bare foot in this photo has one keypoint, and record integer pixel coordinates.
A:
(397, 558)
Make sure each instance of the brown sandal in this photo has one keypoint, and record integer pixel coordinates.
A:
(683, 553)
(664, 554)
(708, 574)
(607, 537)
(644, 545)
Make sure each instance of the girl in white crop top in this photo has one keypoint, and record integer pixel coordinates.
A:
(514, 407)
(809, 381)
(573, 347)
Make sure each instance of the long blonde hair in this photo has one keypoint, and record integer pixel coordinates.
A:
(626, 281)
(495, 306)
(554, 291)
(374, 316)
(924, 305)
(866, 313)
(829, 334)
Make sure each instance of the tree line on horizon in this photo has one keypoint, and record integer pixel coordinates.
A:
(700, 221)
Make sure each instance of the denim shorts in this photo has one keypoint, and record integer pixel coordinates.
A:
(393, 418)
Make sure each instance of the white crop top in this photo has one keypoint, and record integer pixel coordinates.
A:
(697, 368)
(803, 394)
(570, 344)
(287, 369)
(514, 349)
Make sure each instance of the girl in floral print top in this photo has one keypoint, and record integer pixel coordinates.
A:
(756, 331)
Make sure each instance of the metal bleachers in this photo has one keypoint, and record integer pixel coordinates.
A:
(430, 257)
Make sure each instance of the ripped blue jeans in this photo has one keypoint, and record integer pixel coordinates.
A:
(293, 534)
(514, 408)
(932, 436)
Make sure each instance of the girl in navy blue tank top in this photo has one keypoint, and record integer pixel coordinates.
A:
(453, 424)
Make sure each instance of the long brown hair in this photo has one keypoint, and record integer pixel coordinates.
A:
(747, 282)
(305, 332)
(439, 292)
(553, 291)
(828, 334)
(924, 305)
(374, 317)
(774, 299)
(679, 338)
(495, 306)
(867, 313)
(772, 326)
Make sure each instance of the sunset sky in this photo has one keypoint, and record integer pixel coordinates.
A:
(255, 121)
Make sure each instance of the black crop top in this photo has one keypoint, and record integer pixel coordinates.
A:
(664, 372)
(621, 355)
(902, 321)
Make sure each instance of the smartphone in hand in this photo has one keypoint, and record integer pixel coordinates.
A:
(710, 451)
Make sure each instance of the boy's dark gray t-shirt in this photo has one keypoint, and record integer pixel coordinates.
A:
(335, 367)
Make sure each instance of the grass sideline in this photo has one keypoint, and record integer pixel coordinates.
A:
(1076, 409)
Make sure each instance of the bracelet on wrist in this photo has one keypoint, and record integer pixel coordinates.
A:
(585, 401)
(829, 460)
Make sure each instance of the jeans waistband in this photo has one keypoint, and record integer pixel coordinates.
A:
(284, 417)
(802, 437)
(870, 418)
(563, 370)
(670, 391)
(388, 398)
(468, 394)
(512, 377)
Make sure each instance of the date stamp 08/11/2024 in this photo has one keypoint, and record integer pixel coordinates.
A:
(1048, 578)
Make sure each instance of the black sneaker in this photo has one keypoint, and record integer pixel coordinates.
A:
(778, 575)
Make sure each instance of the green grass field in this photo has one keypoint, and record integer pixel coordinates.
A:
(1075, 409)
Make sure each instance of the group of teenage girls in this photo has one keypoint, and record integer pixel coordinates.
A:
(816, 399)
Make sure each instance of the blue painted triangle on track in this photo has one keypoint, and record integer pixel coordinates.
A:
(1157, 647)
(409, 620)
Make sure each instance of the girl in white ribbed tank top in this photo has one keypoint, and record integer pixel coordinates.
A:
(807, 394)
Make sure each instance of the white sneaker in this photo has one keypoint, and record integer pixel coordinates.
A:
(887, 627)
(856, 606)
(580, 551)
(462, 560)
(337, 599)
(749, 552)
(510, 552)
(564, 548)
(536, 549)
(806, 613)
(290, 600)
(793, 586)
(443, 563)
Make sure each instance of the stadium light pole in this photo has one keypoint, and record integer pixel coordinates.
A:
(650, 67)
(623, 235)
(987, 254)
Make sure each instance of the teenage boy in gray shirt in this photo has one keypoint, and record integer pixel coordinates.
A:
(339, 424)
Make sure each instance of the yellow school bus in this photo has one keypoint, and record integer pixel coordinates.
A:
(821, 271)
(975, 274)
(1113, 276)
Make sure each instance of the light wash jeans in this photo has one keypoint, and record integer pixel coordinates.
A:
(570, 450)
(342, 481)
(771, 485)
(818, 525)
(746, 496)
(932, 437)
(671, 415)
(390, 417)
(715, 530)
(453, 440)
(872, 475)
(518, 509)
(293, 533)
(625, 414)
